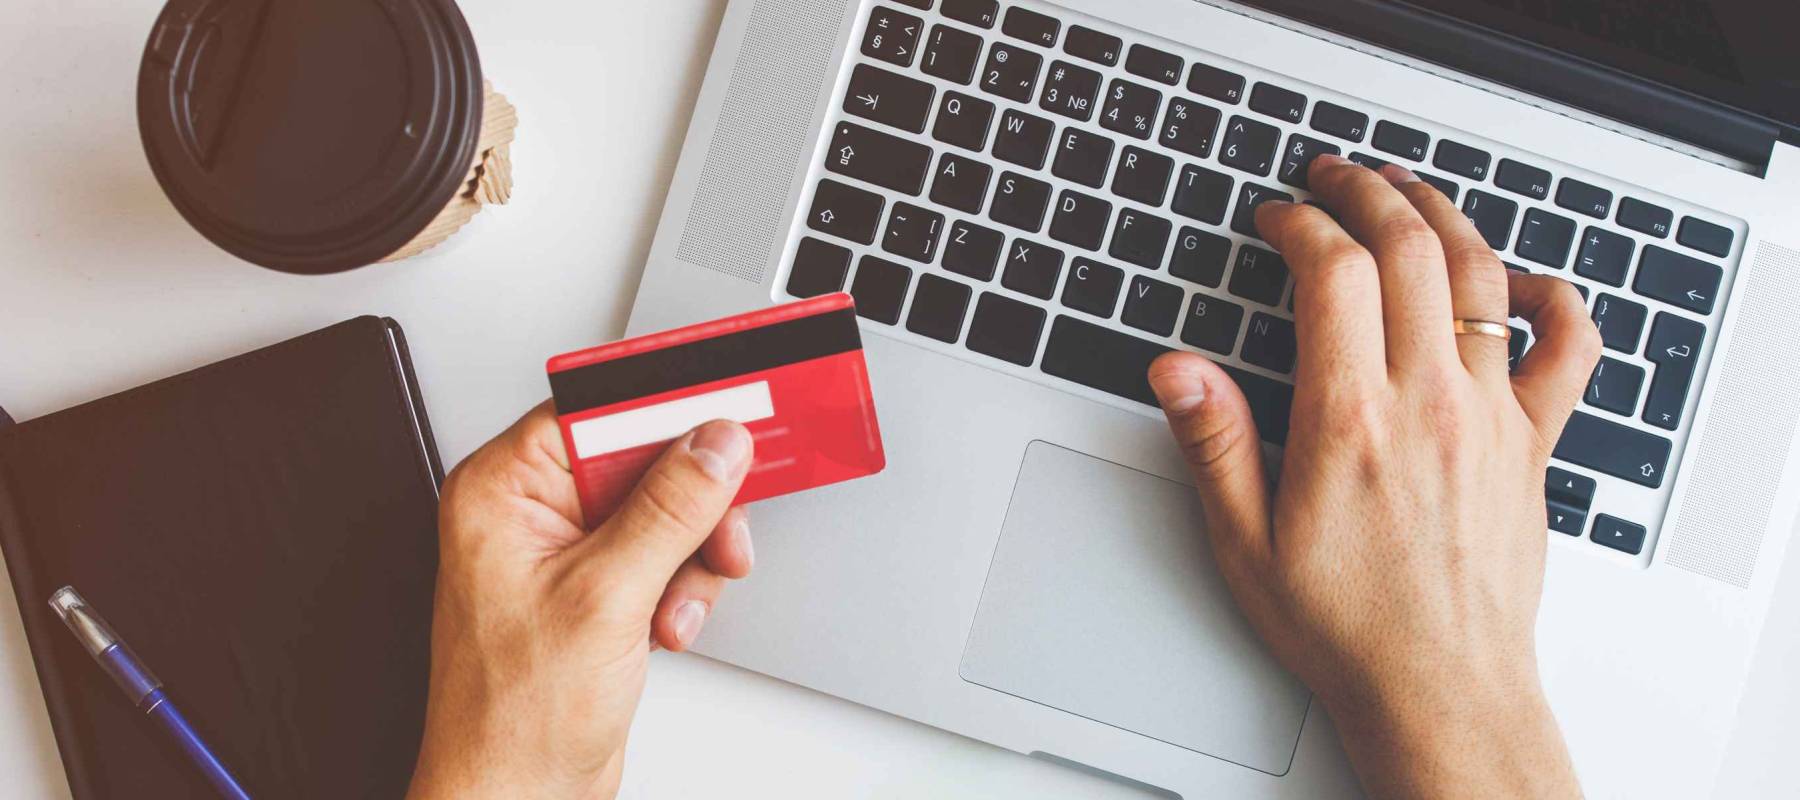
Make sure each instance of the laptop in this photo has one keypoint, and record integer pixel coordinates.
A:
(1031, 200)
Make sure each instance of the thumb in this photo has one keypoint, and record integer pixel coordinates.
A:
(674, 508)
(1211, 421)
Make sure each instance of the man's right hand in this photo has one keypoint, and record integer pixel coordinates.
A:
(1397, 564)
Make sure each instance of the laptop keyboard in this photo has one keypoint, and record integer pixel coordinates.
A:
(1065, 199)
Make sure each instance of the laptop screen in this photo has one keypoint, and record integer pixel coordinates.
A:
(1741, 53)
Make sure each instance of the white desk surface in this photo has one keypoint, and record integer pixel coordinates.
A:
(103, 287)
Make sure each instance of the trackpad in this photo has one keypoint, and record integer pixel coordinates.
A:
(1103, 601)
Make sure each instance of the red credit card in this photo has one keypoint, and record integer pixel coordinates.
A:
(794, 375)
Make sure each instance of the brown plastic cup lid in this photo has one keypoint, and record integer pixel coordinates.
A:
(310, 136)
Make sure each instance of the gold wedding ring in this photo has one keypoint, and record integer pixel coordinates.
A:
(1483, 327)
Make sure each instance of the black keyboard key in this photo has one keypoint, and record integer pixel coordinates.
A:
(1392, 137)
(1614, 449)
(1515, 346)
(938, 307)
(1621, 322)
(1020, 202)
(1339, 121)
(1143, 176)
(961, 183)
(1212, 324)
(1119, 364)
(1069, 90)
(951, 54)
(879, 158)
(1523, 179)
(1615, 386)
(1298, 158)
(1368, 161)
(1005, 328)
(1130, 109)
(1704, 236)
(1546, 238)
(1023, 139)
(1100, 48)
(1189, 127)
(880, 289)
(1010, 72)
(1093, 287)
(1249, 197)
(972, 250)
(1151, 305)
(1202, 194)
(913, 233)
(1218, 84)
(892, 36)
(1080, 220)
(1677, 279)
(1443, 185)
(980, 13)
(1626, 537)
(1082, 157)
(1584, 198)
(1030, 26)
(963, 121)
(1149, 62)
(1250, 145)
(1200, 256)
(819, 268)
(1286, 105)
(1032, 269)
(888, 98)
(1493, 216)
(1140, 238)
(1269, 343)
(1460, 159)
(1569, 497)
(1645, 217)
(1675, 350)
(919, 4)
(845, 212)
(1259, 275)
(1605, 256)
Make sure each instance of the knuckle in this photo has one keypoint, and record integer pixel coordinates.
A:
(669, 503)
(1214, 447)
(1407, 236)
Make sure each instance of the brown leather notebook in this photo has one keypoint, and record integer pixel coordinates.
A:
(263, 533)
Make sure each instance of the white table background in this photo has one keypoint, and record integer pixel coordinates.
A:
(103, 287)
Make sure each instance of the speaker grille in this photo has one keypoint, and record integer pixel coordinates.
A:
(1732, 491)
(763, 129)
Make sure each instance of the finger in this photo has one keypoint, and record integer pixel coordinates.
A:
(1337, 293)
(728, 551)
(1554, 373)
(1211, 421)
(1478, 288)
(673, 509)
(528, 460)
(1415, 293)
(685, 605)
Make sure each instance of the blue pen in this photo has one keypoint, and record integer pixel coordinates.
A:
(140, 685)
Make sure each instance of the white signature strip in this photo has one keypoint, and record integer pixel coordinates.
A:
(665, 421)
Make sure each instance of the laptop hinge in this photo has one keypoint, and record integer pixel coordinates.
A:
(1744, 140)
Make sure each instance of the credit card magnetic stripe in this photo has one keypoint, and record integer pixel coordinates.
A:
(704, 361)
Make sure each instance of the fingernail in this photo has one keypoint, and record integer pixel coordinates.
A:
(742, 534)
(1397, 174)
(722, 449)
(1179, 392)
(1330, 160)
(688, 619)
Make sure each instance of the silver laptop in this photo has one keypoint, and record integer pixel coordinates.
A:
(1030, 201)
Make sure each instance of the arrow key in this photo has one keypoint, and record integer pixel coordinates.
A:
(888, 98)
(1569, 496)
(1675, 350)
(1626, 537)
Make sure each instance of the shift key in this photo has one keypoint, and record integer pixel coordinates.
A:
(878, 158)
(1614, 449)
